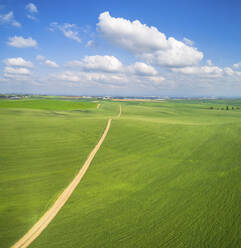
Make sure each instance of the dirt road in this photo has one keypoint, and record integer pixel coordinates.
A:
(119, 115)
(36, 230)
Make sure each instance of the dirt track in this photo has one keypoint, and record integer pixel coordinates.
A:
(36, 230)
(119, 115)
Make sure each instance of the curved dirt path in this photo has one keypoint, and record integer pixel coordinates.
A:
(36, 230)
(119, 115)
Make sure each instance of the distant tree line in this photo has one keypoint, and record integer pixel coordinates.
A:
(227, 108)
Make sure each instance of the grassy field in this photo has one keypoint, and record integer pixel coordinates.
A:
(47, 104)
(40, 152)
(167, 175)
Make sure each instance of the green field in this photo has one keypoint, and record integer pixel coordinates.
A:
(47, 104)
(167, 175)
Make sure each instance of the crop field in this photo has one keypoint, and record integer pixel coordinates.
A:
(167, 175)
(47, 104)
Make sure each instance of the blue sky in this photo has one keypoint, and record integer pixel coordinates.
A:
(140, 48)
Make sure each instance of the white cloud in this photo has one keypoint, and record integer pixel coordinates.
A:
(92, 78)
(102, 63)
(228, 71)
(20, 42)
(210, 72)
(68, 76)
(21, 71)
(18, 62)
(142, 69)
(32, 11)
(74, 63)
(109, 80)
(9, 19)
(133, 36)
(177, 55)
(188, 42)
(90, 43)
(32, 17)
(16, 24)
(156, 80)
(98, 63)
(40, 57)
(147, 42)
(109, 64)
(237, 65)
(69, 30)
(48, 62)
(32, 8)
(51, 63)
(209, 62)
(109, 71)
(203, 71)
(238, 73)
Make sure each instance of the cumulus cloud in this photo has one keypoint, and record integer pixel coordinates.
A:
(109, 70)
(90, 43)
(209, 71)
(147, 42)
(98, 63)
(209, 62)
(19, 61)
(68, 76)
(237, 65)
(46, 61)
(142, 69)
(32, 10)
(238, 73)
(228, 71)
(70, 31)
(32, 17)
(74, 63)
(157, 79)
(16, 74)
(20, 42)
(134, 36)
(109, 80)
(40, 57)
(9, 19)
(177, 55)
(188, 42)
(106, 79)
(111, 64)
(203, 71)
(21, 71)
(102, 63)
(51, 63)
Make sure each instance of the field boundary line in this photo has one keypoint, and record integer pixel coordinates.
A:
(43, 222)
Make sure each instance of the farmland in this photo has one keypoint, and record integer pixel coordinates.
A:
(167, 175)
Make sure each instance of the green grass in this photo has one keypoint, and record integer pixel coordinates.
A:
(40, 152)
(47, 104)
(167, 175)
